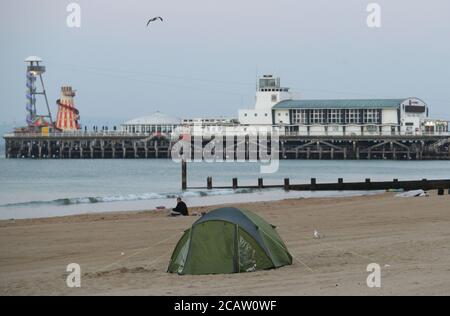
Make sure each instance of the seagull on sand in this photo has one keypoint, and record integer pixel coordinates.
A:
(154, 19)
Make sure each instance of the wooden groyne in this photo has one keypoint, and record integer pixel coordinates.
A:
(436, 184)
(340, 185)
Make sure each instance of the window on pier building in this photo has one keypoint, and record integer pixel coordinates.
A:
(316, 116)
(352, 116)
(334, 116)
(371, 116)
(298, 117)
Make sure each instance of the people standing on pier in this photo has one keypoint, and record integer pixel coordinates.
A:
(180, 209)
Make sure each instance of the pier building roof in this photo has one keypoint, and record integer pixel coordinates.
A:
(339, 104)
(156, 118)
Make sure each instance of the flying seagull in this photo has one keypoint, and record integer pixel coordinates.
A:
(154, 19)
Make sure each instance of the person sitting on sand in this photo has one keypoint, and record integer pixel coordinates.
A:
(180, 209)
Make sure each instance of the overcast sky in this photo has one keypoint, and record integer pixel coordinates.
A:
(204, 58)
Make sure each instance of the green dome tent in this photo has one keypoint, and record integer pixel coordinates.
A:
(229, 240)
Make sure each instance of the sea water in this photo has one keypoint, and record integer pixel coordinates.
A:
(41, 188)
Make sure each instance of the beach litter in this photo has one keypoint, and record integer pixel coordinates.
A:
(413, 193)
(395, 190)
(317, 235)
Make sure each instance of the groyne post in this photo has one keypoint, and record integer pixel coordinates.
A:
(424, 184)
(183, 175)
(395, 183)
(313, 183)
(286, 184)
(235, 183)
(209, 183)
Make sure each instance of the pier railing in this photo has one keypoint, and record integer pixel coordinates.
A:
(84, 134)
(364, 133)
(330, 134)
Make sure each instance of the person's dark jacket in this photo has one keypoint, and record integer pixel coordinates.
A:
(181, 208)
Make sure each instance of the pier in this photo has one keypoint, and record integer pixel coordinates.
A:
(89, 145)
(124, 145)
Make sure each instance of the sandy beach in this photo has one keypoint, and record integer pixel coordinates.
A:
(128, 253)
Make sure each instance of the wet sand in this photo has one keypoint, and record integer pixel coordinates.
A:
(127, 253)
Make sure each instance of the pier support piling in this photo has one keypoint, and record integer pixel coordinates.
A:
(40, 150)
(115, 145)
(7, 149)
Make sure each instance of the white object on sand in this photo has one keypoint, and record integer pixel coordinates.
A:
(317, 235)
(412, 193)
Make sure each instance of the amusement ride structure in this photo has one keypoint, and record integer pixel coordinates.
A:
(34, 120)
(68, 115)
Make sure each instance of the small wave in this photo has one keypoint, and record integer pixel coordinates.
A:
(129, 197)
